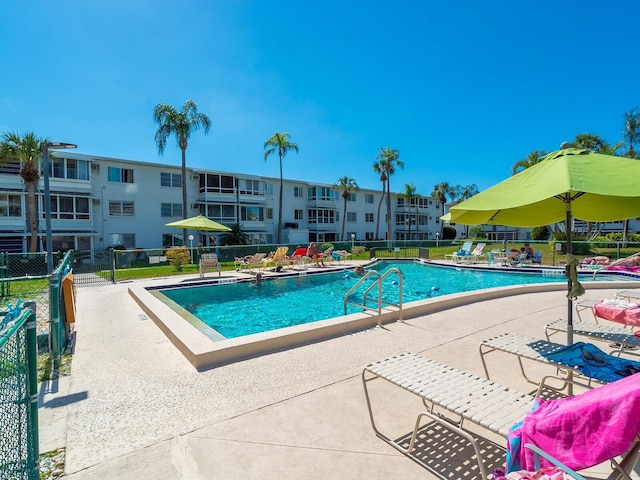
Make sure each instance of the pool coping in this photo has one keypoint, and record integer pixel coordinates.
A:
(204, 353)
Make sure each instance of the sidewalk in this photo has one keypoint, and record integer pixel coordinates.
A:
(134, 408)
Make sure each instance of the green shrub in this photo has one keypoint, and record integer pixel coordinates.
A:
(540, 233)
(178, 256)
(358, 250)
(449, 233)
(478, 232)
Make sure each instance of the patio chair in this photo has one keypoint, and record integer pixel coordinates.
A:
(299, 257)
(278, 259)
(537, 257)
(209, 261)
(452, 397)
(255, 262)
(581, 360)
(464, 251)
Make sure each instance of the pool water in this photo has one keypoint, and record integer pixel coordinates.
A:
(235, 310)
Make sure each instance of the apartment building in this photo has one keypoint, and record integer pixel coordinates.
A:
(100, 202)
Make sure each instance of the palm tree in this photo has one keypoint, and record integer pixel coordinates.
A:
(181, 123)
(631, 132)
(531, 159)
(409, 194)
(590, 141)
(630, 136)
(379, 167)
(389, 159)
(441, 191)
(459, 194)
(347, 185)
(279, 142)
(28, 150)
(235, 237)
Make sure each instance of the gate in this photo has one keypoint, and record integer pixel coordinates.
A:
(93, 268)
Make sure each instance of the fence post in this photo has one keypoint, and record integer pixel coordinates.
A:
(32, 366)
(112, 262)
(54, 317)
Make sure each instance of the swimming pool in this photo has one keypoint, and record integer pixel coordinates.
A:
(205, 348)
(246, 308)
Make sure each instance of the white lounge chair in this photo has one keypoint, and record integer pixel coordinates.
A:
(623, 338)
(543, 351)
(452, 397)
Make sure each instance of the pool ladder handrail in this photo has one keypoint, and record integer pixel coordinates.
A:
(376, 283)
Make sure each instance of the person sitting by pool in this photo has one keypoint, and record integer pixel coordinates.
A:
(528, 250)
(518, 254)
(312, 253)
(598, 260)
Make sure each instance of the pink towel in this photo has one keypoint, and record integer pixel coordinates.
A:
(626, 315)
(584, 430)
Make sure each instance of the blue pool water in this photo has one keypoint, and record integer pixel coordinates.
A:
(235, 310)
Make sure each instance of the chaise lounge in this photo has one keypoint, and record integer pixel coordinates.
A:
(452, 397)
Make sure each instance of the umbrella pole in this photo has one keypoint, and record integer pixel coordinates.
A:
(569, 281)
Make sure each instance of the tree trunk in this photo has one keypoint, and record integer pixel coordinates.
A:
(378, 218)
(184, 191)
(280, 203)
(344, 217)
(32, 214)
(389, 211)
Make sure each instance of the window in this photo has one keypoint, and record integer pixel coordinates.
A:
(351, 197)
(10, 206)
(120, 175)
(69, 168)
(252, 214)
(216, 183)
(118, 208)
(171, 240)
(221, 213)
(171, 180)
(170, 209)
(68, 207)
(368, 198)
(352, 217)
(322, 193)
(368, 217)
(298, 214)
(298, 192)
(126, 239)
(251, 187)
(368, 235)
(321, 216)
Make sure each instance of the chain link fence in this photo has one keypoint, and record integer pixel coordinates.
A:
(18, 396)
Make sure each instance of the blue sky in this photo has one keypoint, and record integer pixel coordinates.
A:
(462, 89)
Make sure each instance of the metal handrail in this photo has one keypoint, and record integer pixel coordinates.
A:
(376, 283)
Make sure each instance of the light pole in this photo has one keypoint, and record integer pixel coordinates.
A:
(437, 238)
(353, 239)
(191, 247)
(47, 195)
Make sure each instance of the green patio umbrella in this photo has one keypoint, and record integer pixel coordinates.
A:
(565, 184)
(200, 223)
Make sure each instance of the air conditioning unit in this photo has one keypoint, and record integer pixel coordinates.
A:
(96, 201)
(195, 176)
(195, 206)
(95, 166)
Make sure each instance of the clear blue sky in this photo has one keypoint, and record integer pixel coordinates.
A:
(462, 89)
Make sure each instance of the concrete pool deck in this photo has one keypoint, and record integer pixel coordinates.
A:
(135, 408)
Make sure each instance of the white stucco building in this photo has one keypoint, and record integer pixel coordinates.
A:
(99, 202)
